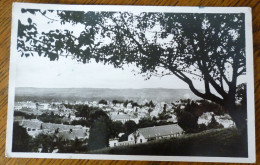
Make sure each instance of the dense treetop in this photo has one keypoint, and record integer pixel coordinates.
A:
(192, 46)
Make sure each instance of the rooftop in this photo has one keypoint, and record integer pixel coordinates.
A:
(164, 130)
(50, 126)
(120, 117)
(67, 135)
(31, 124)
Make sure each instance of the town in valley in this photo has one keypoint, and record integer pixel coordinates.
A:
(84, 126)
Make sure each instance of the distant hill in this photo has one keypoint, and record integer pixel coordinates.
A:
(96, 94)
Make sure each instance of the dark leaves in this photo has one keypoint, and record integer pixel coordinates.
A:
(199, 43)
(53, 56)
(32, 11)
(29, 20)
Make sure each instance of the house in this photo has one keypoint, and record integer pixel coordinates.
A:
(18, 118)
(172, 119)
(125, 143)
(143, 135)
(123, 118)
(135, 119)
(176, 103)
(29, 111)
(113, 142)
(17, 106)
(53, 107)
(130, 109)
(225, 120)
(73, 134)
(34, 127)
(78, 102)
(107, 109)
(29, 104)
(21, 105)
(120, 117)
(205, 118)
(65, 102)
(42, 106)
(100, 105)
(51, 127)
(129, 105)
(94, 103)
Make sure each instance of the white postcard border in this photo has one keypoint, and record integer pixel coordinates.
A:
(250, 81)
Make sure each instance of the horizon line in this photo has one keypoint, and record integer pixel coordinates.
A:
(97, 88)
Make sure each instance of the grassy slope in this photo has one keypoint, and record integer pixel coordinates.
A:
(219, 142)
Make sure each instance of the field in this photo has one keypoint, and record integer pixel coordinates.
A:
(218, 143)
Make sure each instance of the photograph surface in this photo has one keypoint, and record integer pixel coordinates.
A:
(131, 82)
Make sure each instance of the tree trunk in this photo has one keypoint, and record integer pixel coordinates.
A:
(239, 116)
(236, 113)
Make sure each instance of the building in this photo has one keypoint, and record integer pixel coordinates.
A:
(224, 120)
(35, 127)
(43, 106)
(120, 117)
(51, 127)
(123, 118)
(172, 119)
(135, 119)
(33, 112)
(78, 102)
(102, 106)
(107, 109)
(21, 105)
(143, 135)
(73, 134)
(17, 106)
(18, 118)
(113, 142)
(205, 118)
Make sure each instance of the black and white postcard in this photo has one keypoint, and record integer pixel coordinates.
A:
(131, 83)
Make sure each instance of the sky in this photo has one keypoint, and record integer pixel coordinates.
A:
(40, 72)
(67, 73)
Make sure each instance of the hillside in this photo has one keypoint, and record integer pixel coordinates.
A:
(91, 94)
(219, 142)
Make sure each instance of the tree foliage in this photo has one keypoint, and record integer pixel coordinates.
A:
(117, 102)
(191, 46)
(46, 118)
(21, 139)
(45, 141)
(150, 104)
(100, 130)
(99, 134)
(241, 94)
(130, 126)
(116, 127)
(83, 122)
(187, 121)
(102, 102)
(214, 124)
